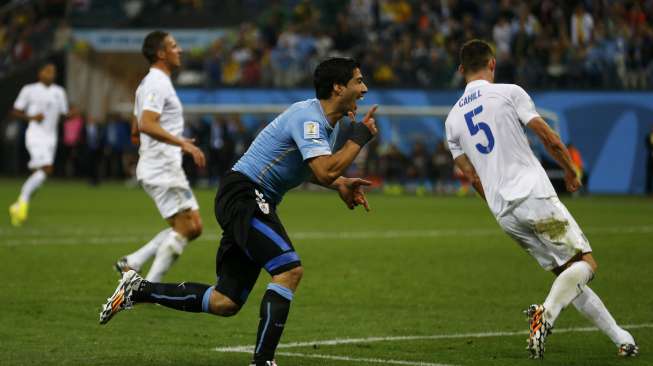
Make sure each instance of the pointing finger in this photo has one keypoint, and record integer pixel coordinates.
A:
(371, 112)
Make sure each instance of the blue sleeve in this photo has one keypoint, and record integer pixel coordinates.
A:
(311, 139)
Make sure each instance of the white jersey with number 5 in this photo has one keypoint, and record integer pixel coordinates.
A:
(160, 163)
(487, 124)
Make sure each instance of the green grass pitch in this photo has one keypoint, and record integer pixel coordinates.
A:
(436, 271)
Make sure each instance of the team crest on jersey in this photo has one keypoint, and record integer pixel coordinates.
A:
(311, 130)
(151, 97)
(260, 199)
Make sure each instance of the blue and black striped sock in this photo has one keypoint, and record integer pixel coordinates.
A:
(185, 296)
(274, 312)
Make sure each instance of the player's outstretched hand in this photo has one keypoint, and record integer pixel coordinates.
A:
(198, 156)
(368, 120)
(352, 194)
(572, 182)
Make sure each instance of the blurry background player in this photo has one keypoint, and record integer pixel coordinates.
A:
(159, 117)
(297, 146)
(485, 135)
(41, 104)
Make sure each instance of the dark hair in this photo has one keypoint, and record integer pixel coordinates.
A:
(474, 55)
(152, 44)
(336, 70)
(46, 64)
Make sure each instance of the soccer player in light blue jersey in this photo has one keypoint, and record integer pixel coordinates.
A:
(298, 145)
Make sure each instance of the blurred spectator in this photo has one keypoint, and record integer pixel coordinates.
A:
(582, 25)
(94, 135)
(419, 170)
(393, 164)
(118, 131)
(242, 138)
(443, 168)
(221, 149)
(72, 140)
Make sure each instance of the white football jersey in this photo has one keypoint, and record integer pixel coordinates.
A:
(159, 162)
(487, 124)
(51, 101)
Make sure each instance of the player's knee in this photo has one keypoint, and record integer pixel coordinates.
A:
(194, 230)
(589, 259)
(594, 266)
(297, 273)
(291, 277)
(223, 306)
(190, 227)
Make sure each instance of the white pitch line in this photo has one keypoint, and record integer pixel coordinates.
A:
(359, 359)
(103, 239)
(340, 341)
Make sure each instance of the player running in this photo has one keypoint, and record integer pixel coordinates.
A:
(158, 115)
(295, 147)
(486, 137)
(41, 104)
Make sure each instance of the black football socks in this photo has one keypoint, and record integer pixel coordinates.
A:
(274, 312)
(185, 296)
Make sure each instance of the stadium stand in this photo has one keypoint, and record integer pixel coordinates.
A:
(274, 45)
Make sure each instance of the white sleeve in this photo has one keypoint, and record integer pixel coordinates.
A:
(22, 100)
(154, 96)
(136, 106)
(524, 105)
(64, 102)
(452, 141)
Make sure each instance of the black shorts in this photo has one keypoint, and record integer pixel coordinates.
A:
(252, 238)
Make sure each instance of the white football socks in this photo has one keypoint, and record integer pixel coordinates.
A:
(566, 288)
(171, 247)
(590, 305)
(142, 255)
(32, 184)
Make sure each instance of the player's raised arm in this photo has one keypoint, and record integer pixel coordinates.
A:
(558, 151)
(327, 168)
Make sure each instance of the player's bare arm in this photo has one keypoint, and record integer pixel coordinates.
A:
(135, 133)
(150, 125)
(557, 150)
(328, 168)
(465, 166)
(17, 113)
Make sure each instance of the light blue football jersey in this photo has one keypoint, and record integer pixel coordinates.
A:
(277, 159)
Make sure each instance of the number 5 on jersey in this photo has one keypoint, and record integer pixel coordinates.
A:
(474, 128)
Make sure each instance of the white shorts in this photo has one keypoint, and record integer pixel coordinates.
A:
(546, 230)
(41, 154)
(171, 200)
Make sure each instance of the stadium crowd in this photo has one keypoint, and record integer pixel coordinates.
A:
(401, 43)
(29, 32)
(411, 43)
